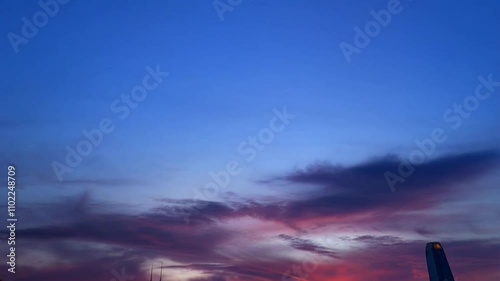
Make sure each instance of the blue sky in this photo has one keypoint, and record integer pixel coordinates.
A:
(225, 79)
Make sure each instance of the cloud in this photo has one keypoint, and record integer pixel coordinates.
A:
(345, 192)
(423, 231)
(368, 176)
(100, 237)
(309, 246)
(362, 187)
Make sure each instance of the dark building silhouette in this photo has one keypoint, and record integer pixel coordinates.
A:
(437, 264)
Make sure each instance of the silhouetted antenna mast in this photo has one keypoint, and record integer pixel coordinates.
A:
(161, 271)
(151, 278)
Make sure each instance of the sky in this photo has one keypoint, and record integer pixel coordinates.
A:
(250, 140)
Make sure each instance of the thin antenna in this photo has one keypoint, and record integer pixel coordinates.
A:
(151, 278)
(161, 271)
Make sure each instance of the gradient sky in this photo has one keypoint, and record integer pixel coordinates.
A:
(312, 199)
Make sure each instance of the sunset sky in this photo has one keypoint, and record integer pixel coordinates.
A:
(235, 139)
